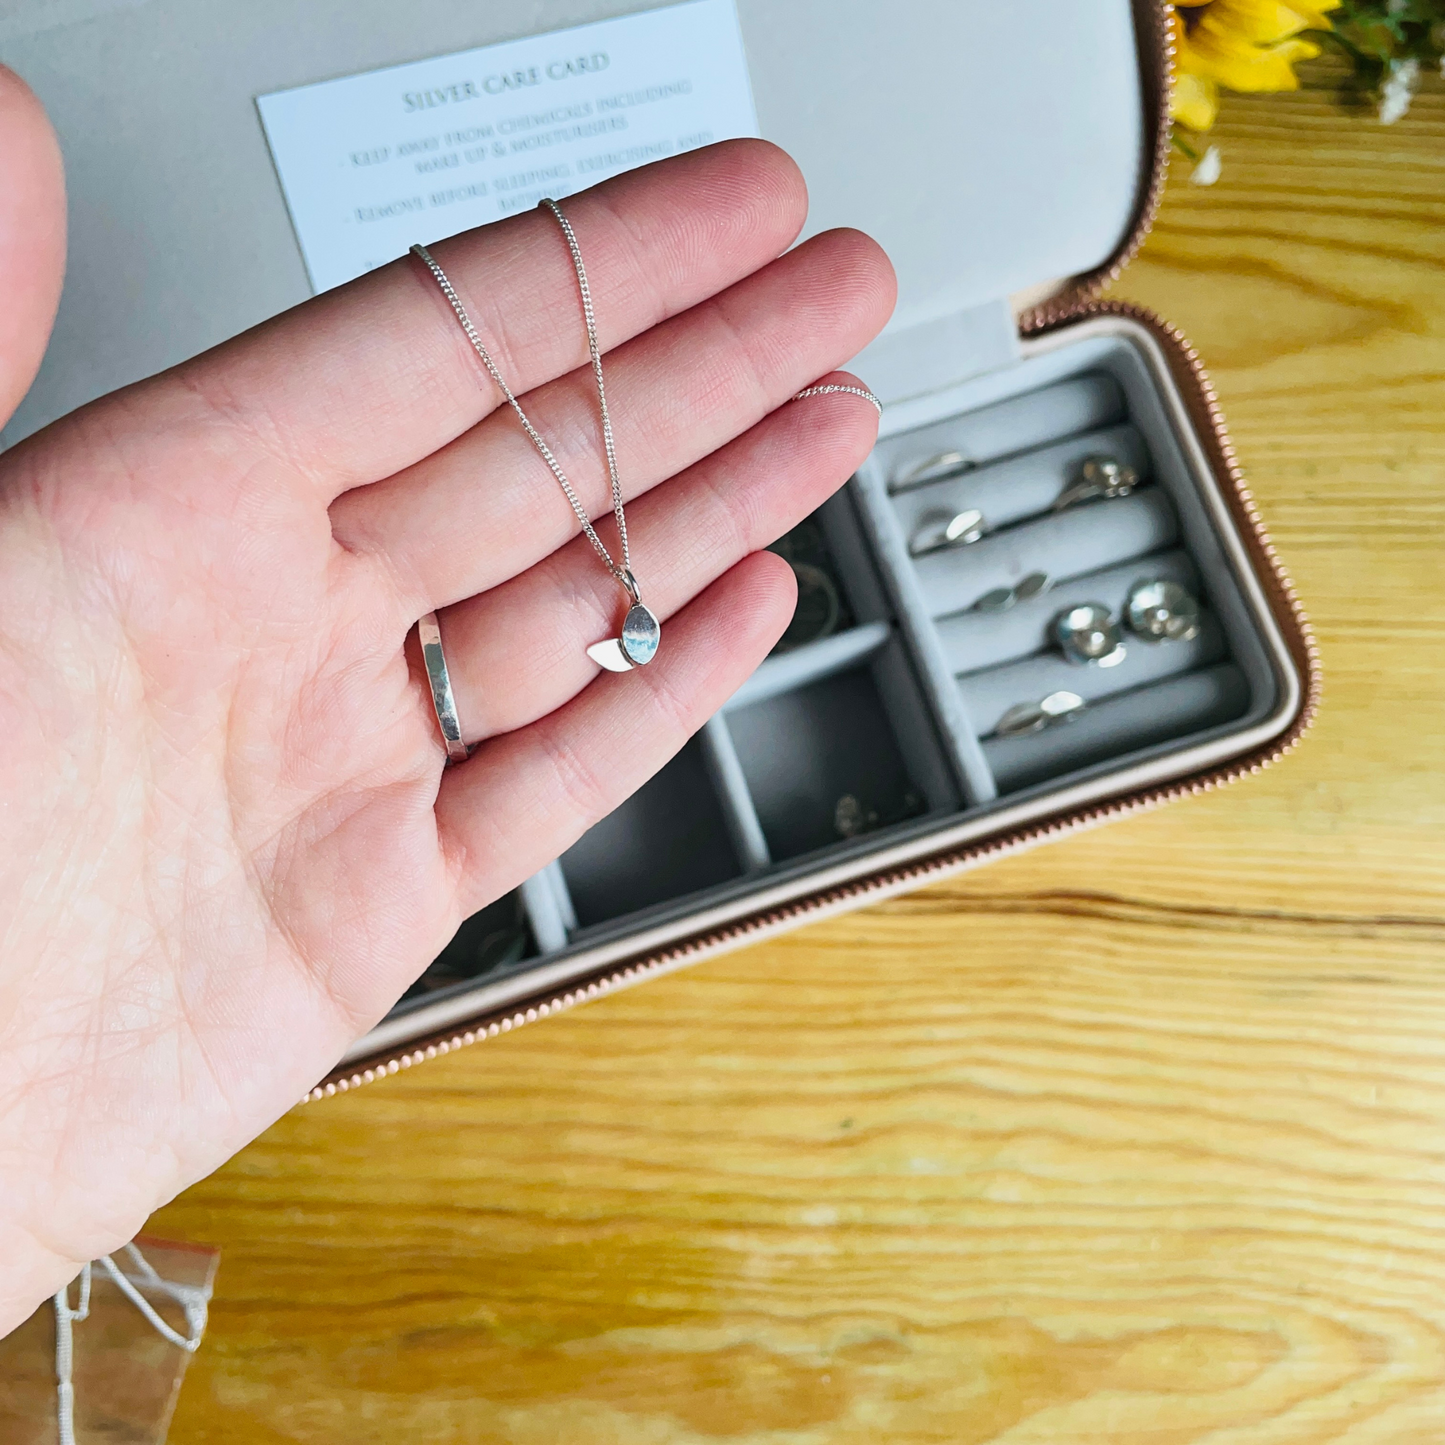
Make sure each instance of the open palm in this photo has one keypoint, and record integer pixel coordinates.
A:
(227, 842)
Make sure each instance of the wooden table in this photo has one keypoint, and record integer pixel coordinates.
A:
(1139, 1138)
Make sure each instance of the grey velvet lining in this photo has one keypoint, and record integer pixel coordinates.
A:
(1093, 552)
(843, 716)
(740, 812)
(899, 711)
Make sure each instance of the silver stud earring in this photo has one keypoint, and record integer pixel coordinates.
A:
(1162, 611)
(942, 528)
(1033, 717)
(1002, 598)
(1088, 635)
(1099, 476)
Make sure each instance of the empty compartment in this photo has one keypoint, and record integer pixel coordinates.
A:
(668, 839)
(823, 764)
(492, 940)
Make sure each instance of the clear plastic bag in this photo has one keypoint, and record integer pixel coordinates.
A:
(126, 1368)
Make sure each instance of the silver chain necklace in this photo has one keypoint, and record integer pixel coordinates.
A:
(641, 632)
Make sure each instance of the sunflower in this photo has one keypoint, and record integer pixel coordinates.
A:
(1246, 45)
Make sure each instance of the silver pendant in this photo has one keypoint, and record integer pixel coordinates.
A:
(636, 647)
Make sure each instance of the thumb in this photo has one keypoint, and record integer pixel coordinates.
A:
(32, 236)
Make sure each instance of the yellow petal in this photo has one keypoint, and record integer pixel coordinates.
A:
(1261, 22)
(1194, 101)
(1239, 65)
(1314, 14)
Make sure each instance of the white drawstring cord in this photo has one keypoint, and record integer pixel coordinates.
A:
(192, 1299)
(65, 1318)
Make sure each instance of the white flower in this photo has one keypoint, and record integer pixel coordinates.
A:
(1208, 169)
(1398, 90)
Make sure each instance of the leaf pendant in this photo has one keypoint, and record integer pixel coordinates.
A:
(637, 646)
(640, 635)
(610, 655)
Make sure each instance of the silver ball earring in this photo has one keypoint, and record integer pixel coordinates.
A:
(1162, 611)
(1088, 635)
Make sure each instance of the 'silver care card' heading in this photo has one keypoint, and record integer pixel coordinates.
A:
(372, 163)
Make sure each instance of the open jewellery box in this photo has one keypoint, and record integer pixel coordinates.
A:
(921, 716)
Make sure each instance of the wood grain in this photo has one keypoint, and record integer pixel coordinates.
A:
(1137, 1138)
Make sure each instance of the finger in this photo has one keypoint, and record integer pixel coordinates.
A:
(364, 380)
(525, 797)
(32, 237)
(518, 652)
(447, 528)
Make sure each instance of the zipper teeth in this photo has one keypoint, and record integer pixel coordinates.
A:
(891, 879)
(1077, 304)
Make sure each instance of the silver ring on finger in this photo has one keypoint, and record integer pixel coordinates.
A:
(429, 634)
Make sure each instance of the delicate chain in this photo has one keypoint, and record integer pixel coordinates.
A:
(622, 573)
(593, 350)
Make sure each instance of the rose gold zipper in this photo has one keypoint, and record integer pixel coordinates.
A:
(1079, 303)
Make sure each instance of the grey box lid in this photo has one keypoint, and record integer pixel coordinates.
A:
(989, 147)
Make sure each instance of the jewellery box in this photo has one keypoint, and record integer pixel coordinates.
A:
(1044, 600)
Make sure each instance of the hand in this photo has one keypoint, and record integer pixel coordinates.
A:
(227, 843)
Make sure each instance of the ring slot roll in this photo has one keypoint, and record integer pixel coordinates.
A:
(1020, 487)
(1083, 539)
(1120, 725)
(973, 641)
(992, 692)
(1080, 404)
